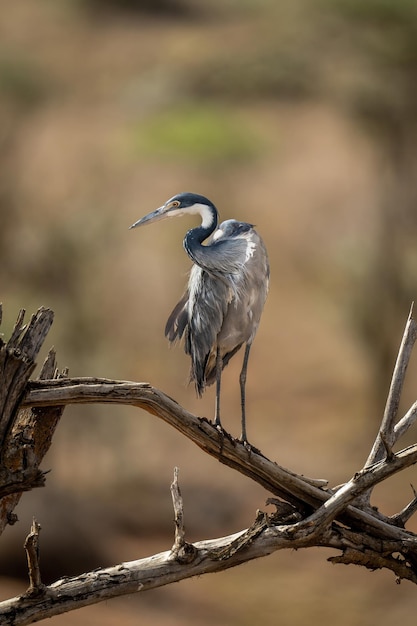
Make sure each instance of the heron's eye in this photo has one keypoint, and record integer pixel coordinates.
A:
(175, 203)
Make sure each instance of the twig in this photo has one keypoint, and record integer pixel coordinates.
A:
(36, 587)
(386, 430)
(408, 511)
(177, 503)
(405, 422)
(181, 550)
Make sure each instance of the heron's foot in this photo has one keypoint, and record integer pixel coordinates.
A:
(219, 428)
(243, 437)
(243, 440)
(217, 423)
(249, 446)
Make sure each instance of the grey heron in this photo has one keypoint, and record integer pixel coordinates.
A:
(227, 289)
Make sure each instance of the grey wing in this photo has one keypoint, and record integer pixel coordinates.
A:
(199, 317)
(209, 299)
(178, 319)
(224, 256)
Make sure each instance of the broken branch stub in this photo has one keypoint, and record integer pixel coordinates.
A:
(25, 433)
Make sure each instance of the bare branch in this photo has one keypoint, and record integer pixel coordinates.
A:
(181, 550)
(405, 422)
(361, 482)
(307, 513)
(408, 511)
(141, 575)
(36, 588)
(179, 513)
(386, 430)
(261, 539)
(221, 445)
(276, 479)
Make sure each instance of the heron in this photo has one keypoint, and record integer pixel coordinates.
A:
(227, 288)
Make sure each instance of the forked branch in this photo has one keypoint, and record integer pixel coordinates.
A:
(307, 512)
(388, 433)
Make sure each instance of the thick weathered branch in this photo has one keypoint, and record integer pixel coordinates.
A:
(161, 569)
(307, 514)
(265, 536)
(17, 362)
(25, 435)
(201, 431)
(276, 479)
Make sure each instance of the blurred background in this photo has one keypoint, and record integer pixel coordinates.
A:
(298, 116)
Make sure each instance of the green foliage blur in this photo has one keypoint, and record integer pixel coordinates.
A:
(209, 135)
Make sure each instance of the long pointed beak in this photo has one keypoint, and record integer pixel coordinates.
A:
(158, 214)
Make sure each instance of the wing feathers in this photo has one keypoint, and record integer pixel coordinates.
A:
(223, 303)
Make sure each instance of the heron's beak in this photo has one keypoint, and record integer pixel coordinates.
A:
(158, 214)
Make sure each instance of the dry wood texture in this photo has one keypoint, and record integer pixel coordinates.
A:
(308, 513)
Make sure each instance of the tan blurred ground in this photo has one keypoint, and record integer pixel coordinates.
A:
(77, 172)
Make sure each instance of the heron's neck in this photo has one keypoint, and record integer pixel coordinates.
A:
(194, 238)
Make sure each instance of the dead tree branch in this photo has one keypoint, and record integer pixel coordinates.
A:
(181, 550)
(31, 546)
(281, 482)
(307, 512)
(387, 436)
(25, 434)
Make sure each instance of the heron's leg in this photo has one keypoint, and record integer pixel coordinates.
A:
(242, 380)
(219, 366)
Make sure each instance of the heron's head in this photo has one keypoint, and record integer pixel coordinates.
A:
(183, 204)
